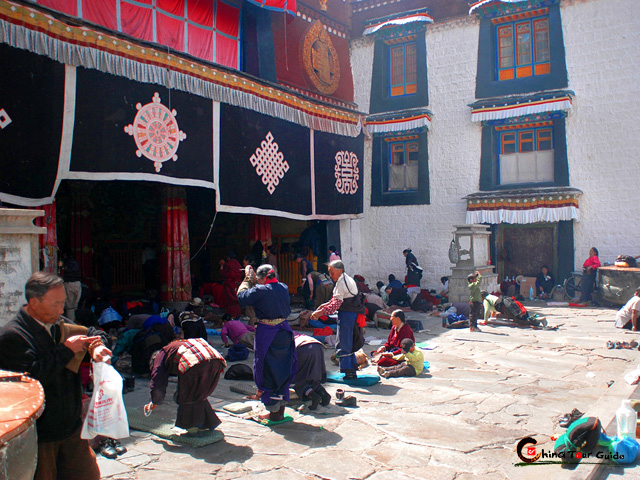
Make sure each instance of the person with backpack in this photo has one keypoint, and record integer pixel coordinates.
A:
(349, 304)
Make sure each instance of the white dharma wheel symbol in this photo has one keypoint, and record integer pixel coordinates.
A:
(156, 133)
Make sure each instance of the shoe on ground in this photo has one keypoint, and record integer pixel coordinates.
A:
(474, 329)
(349, 401)
(324, 395)
(119, 448)
(106, 449)
(313, 397)
(351, 375)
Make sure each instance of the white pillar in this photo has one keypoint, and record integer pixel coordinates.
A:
(18, 257)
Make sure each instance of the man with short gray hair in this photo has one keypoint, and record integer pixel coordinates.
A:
(348, 303)
(37, 341)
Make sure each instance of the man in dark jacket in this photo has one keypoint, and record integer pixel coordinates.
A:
(39, 343)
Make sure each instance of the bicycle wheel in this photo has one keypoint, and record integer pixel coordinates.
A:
(570, 288)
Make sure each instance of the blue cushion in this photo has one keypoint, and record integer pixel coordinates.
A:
(362, 380)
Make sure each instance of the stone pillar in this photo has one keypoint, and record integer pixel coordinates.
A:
(18, 257)
(473, 255)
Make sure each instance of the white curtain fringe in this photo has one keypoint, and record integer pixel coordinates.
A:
(523, 216)
(42, 44)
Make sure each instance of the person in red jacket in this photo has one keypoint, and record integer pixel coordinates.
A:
(399, 331)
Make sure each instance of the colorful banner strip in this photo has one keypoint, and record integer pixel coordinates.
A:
(30, 29)
(501, 112)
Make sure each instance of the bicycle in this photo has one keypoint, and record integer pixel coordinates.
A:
(572, 285)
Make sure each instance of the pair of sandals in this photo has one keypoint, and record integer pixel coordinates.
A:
(567, 419)
(617, 345)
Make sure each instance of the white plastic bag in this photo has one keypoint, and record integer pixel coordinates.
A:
(107, 415)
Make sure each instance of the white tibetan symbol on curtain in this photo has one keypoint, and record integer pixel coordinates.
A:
(347, 172)
(156, 133)
(269, 163)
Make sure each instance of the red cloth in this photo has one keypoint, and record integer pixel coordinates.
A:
(396, 336)
(232, 275)
(175, 270)
(320, 332)
(361, 320)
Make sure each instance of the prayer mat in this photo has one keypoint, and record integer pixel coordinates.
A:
(237, 408)
(426, 345)
(270, 423)
(363, 380)
(162, 428)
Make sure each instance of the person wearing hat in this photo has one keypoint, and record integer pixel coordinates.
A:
(410, 362)
(414, 272)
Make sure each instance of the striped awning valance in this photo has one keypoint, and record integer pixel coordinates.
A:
(523, 206)
(502, 108)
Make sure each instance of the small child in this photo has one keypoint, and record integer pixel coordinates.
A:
(475, 300)
(412, 362)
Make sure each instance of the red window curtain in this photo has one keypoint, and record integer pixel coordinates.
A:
(260, 229)
(81, 241)
(48, 243)
(175, 268)
(168, 21)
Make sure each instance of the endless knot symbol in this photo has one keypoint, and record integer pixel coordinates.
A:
(347, 172)
(270, 163)
(156, 133)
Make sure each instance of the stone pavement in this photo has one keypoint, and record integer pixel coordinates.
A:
(461, 419)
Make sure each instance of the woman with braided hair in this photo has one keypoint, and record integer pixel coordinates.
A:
(275, 361)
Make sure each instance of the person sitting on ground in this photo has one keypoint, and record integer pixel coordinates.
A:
(382, 292)
(198, 367)
(237, 331)
(627, 316)
(475, 300)
(312, 372)
(489, 304)
(544, 282)
(410, 362)
(398, 296)
(445, 287)
(393, 283)
(399, 331)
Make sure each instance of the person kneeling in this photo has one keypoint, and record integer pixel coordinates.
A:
(411, 362)
(198, 366)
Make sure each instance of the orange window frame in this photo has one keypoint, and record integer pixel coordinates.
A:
(527, 44)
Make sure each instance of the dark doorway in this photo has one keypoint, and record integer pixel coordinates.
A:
(523, 249)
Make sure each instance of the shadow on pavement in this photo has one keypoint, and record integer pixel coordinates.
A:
(309, 435)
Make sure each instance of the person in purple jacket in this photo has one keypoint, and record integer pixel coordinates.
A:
(237, 331)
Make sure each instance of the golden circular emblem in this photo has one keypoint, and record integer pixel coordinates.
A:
(320, 59)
